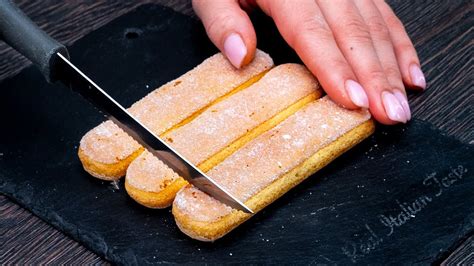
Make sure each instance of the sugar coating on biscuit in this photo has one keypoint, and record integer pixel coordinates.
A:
(271, 155)
(231, 118)
(149, 174)
(178, 99)
(198, 204)
(172, 103)
(227, 120)
(108, 143)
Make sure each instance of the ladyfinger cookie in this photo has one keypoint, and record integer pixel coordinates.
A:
(221, 129)
(270, 165)
(106, 151)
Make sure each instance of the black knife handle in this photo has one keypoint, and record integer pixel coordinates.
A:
(22, 34)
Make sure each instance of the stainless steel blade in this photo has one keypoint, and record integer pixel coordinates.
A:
(79, 82)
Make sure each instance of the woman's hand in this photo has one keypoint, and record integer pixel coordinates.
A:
(358, 49)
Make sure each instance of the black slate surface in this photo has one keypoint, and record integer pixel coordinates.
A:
(403, 196)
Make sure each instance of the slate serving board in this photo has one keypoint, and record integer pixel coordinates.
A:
(403, 196)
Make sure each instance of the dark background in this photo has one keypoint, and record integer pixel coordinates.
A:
(441, 31)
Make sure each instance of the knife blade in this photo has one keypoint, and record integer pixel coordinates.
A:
(72, 77)
(51, 57)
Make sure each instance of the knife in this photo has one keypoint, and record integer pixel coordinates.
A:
(52, 59)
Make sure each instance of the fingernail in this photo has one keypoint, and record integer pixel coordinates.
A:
(235, 49)
(417, 76)
(357, 94)
(404, 102)
(393, 108)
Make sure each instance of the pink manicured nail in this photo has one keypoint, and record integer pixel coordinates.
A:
(235, 49)
(393, 108)
(404, 102)
(357, 94)
(417, 76)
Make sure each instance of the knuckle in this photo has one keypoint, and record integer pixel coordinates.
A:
(311, 27)
(377, 75)
(392, 71)
(385, 38)
(393, 22)
(315, 24)
(405, 48)
(357, 31)
(339, 64)
(377, 27)
(217, 23)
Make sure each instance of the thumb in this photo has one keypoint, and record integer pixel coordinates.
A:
(229, 28)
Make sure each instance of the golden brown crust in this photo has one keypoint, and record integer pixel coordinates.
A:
(210, 231)
(108, 172)
(156, 200)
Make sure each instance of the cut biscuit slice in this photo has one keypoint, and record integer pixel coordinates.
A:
(106, 151)
(270, 165)
(221, 129)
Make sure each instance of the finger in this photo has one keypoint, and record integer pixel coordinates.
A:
(384, 49)
(405, 52)
(305, 30)
(353, 38)
(229, 28)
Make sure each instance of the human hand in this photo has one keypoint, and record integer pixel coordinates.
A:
(358, 49)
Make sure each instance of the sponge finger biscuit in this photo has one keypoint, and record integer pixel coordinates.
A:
(270, 165)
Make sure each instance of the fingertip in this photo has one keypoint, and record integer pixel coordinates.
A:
(249, 56)
(379, 114)
(393, 108)
(235, 49)
(229, 28)
(340, 96)
(250, 41)
(402, 99)
(357, 93)
(417, 78)
(383, 120)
